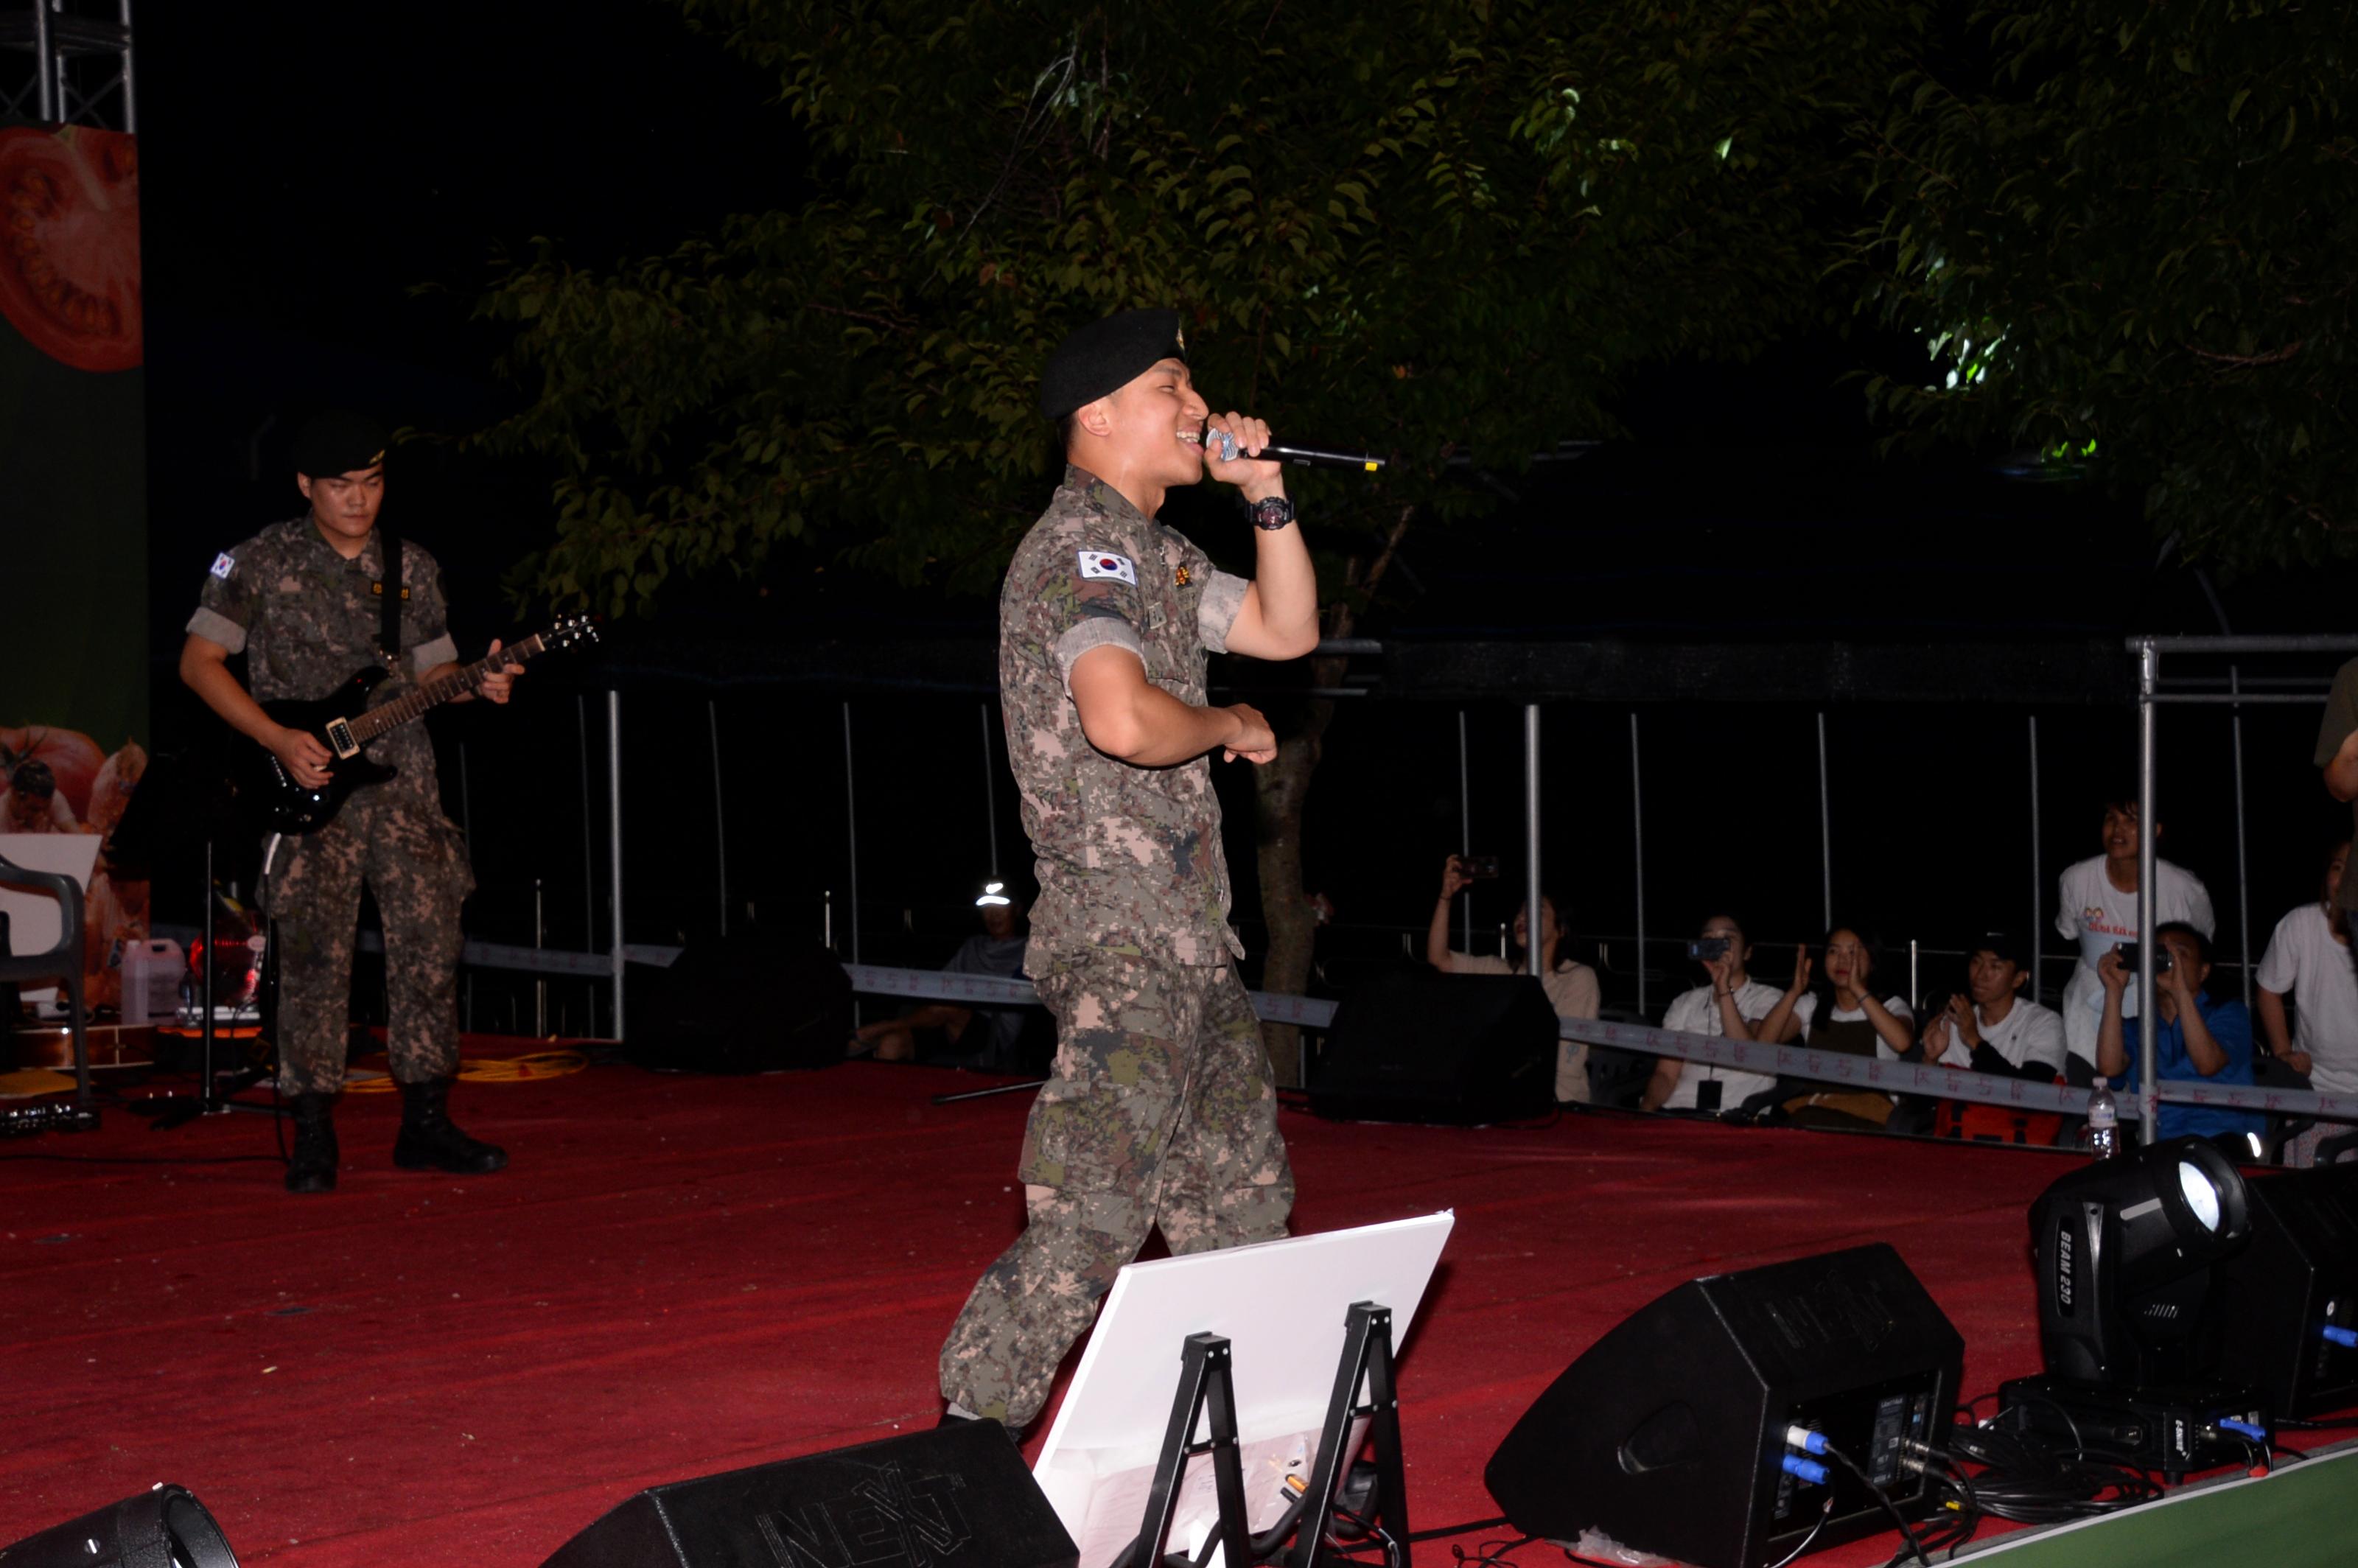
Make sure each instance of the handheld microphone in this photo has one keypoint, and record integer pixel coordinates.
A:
(1301, 457)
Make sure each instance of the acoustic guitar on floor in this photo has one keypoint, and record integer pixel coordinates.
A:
(343, 721)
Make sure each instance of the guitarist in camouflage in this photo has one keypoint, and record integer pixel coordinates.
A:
(302, 601)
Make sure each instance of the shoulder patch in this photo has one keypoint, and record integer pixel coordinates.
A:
(225, 564)
(1105, 564)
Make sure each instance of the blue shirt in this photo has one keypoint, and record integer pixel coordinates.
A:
(2231, 1026)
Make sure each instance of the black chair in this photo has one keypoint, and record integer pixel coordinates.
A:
(63, 961)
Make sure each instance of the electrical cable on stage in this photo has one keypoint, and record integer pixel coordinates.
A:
(1844, 1460)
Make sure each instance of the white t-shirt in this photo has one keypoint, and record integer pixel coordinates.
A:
(1806, 1010)
(2028, 1033)
(2306, 963)
(1697, 1012)
(1572, 992)
(2100, 916)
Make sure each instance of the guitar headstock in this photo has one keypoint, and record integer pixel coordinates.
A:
(571, 631)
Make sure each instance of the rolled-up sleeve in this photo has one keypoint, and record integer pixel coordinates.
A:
(1216, 611)
(1077, 609)
(215, 627)
(426, 619)
(1094, 633)
(224, 605)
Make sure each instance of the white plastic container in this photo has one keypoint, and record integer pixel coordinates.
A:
(151, 981)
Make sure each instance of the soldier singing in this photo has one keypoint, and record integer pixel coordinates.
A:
(1160, 1111)
(304, 602)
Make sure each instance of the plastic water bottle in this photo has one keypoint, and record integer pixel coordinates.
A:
(2101, 1136)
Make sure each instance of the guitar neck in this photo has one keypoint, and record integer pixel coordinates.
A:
(425, 699)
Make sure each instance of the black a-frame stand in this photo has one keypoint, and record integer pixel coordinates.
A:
(1207, 1384)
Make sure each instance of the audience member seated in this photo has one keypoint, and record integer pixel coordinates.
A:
(1992, 1027)
(985, 1037)
(1730, 1004)
(1570, 986)
(1841, 1013)
(2196, 1038)
(2096, 907)
(2308, 961)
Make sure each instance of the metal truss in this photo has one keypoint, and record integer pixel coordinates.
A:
(68, 62)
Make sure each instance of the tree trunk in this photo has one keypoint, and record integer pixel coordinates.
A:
(1279, 790)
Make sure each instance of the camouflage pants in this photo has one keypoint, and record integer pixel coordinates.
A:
(1159, 1113)
(411, 859)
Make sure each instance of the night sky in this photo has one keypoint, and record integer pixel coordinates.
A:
(306, 169)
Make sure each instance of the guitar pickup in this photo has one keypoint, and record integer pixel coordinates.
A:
(339, 738)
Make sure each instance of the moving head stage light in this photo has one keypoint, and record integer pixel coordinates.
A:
(2127, 1252)
(162, 1528)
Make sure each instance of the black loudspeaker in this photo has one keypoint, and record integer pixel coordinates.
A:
(753, 1003)
(957, 1497)
(2287, 1305)
(164, 1526)
(1670, 1435)
(1414, 1044)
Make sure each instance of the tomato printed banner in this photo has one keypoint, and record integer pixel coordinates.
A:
(73, 503)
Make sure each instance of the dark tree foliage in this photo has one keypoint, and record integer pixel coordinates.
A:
(1445, 231)
(2129, 232)
(1438, 229)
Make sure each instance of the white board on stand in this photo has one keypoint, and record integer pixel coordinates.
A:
(1282, 1305)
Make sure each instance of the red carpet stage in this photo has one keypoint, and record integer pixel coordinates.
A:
(682, 1275)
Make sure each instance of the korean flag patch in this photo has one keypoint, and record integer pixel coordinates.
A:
(1105, 564)
(225, 564)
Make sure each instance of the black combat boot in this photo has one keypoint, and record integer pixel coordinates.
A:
(312, 1167)
(430, 1140)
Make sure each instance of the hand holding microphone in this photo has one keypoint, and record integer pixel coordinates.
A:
(1226, 444)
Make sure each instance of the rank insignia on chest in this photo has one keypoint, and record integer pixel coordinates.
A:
(378, 589)
(1183, 577)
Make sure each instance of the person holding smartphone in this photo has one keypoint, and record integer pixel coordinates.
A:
(1571, 986)
(1731, 1004)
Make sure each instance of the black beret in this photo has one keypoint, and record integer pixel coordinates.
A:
(2004, 946)
(1105, 355)
(338, 442)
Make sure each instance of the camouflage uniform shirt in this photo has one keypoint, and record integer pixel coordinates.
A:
(1129, 859)
(306, 618)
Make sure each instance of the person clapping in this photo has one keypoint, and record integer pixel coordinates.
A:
(1841, 1013)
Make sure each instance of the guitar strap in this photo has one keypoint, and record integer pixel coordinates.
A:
(389, 594)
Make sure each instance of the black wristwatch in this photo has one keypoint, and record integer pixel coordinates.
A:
(1272, 513)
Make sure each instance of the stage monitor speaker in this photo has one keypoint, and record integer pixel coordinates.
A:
(1669, 1434)
(753, 1003)
(163, 1527)
(1411, 1043)
(955, 1496)
(2287, 1305)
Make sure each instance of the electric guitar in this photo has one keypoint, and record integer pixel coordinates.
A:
(343, 722)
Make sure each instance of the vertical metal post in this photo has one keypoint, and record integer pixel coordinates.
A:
(130, 95)
(588, 857)
(614, 849)
(851, 835)
(989, 793)
(720, 812)
(1465, 835)
(466, 803)
(2148, 1091)
(2243, 866)
(1825, 827)
(2037, 879)
(1531, 836)
(1638, 838)
(44, 63)
(539, 940)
